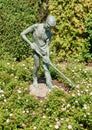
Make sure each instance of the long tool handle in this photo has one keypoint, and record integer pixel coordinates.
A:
(70, 82)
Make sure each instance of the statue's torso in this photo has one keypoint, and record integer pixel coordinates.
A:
(40, 37)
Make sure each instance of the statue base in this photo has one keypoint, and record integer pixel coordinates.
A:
(41, 91)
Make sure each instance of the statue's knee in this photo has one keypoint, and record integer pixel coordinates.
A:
(36, 66)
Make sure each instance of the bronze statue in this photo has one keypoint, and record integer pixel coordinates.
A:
(40, 46)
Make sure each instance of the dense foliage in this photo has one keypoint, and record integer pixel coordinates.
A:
(15, 16)
(88, 31)
(60, 110)
(70, 38)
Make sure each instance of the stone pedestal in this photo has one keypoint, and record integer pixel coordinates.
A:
(41, 91)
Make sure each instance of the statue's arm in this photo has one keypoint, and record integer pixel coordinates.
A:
(47, 58)
(26, 31)
(48, 42)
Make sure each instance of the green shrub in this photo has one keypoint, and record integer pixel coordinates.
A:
(69, 39)
(88, 33)
(15, 17)
(60, 110)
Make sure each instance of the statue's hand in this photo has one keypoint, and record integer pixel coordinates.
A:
(32, 47)
(46, 59)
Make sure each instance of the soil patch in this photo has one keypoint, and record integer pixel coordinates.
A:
(60, 85)
(90, 64)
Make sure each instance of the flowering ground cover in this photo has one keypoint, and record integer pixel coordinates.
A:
(63, 110)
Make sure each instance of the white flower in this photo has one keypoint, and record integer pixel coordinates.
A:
(72, 70)
(86, 90)
(12, 74)
(90, 93)
(85, 71)
(4, 100)
(76, 101)
(56, 127)
(44, 116)
(81, 91)
(63, 109)
(68, 105)
(27, 111)
(40, 100)
(23, 112)
(11, 114)
(56, 119)
(1, 91)
(23, 125)
(27, 100)
(50, 126)
(78, 86)
(8, 120)
(2, 95)
(34, 127)
(84, 115)
(73, 95)
(88, 113)
(85, 106)
(79, 94)
(6, 109)
(23, 64)
(62, 119)
(8, 63)
(49, 90)
(69, 127)
(73, 106)
(58, 123)
(81, 124)
(19, 91)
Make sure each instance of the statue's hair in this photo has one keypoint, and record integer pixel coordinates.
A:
(51, 20)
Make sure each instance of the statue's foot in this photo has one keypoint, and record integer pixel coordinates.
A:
(35, 84)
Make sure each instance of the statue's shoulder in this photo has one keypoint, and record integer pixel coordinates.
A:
(38, 25)
(35, 25)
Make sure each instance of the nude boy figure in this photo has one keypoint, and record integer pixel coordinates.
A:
(41, 35)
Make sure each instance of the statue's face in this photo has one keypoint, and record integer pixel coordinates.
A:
(47, 26)
(51, 21)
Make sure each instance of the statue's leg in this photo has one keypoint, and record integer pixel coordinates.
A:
(36, 68)
(47, 75)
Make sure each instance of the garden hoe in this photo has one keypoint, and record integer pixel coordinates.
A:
(53, 66)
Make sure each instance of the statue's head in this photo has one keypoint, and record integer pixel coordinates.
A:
(51, 21)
